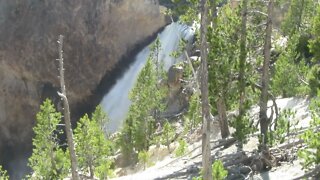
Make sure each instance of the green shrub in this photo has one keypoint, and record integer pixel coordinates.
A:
(144, 158)
(182, 148)
(193, 117)
(284, 122)
(242, 126)
(168, 134)
(218, 170)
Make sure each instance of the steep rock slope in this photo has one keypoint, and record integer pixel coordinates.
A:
(98, 34)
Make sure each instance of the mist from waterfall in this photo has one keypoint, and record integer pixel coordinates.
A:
(116, 102)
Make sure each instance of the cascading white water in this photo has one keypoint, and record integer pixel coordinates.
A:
(116, 102)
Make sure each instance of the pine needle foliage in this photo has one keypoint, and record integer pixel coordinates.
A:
(146, 98)
(168, 134)
(218, 170)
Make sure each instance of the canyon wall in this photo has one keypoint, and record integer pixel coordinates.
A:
(98, 35)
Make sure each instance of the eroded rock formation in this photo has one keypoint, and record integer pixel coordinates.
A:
(98, 35)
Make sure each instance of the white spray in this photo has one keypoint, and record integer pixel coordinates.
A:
(116, 102)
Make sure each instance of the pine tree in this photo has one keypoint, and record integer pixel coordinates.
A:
(243, 57)
(146, 99)
(298, 19)
(223, 54)
(101, 118)
(288, 77)
(48, 161)
(315, 42)
(168, 133)
(93, 149)
(193, 117)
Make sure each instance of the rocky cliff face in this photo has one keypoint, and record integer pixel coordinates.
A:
(98, 35)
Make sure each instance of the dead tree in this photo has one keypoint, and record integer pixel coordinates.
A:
(206, 151)
(264, 121)
(66, 112)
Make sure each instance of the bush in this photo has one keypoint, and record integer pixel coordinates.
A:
(182, 148)
(193, 117)
(242, 126)
(144, 158)
(218, 170)
(168, 134)
(284, 122)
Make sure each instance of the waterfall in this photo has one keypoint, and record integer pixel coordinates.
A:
(116, 102)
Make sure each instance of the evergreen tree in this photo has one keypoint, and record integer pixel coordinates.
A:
(101, 118)
(144, 158)
(146, 99)
(48, 161)
(243, 58)
(193, 117)
(168, 133)
(93, 149)
(299, 17)
(288, 77)
(224, 50)
(315, 42)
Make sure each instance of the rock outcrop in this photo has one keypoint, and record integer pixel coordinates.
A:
(98, 37)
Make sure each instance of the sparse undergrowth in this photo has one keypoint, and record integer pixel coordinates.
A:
(311, 154)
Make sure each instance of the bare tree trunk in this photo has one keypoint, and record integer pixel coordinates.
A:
(63, 95)
(264, 121)
(206, 152)
(91, 171)
(223, 121)
(243, 57)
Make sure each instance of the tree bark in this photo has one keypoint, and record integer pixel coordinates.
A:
(264, 121)
(206, 161)
(63, 95)
(223, 121)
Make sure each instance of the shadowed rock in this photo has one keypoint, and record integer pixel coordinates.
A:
(99, 35)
